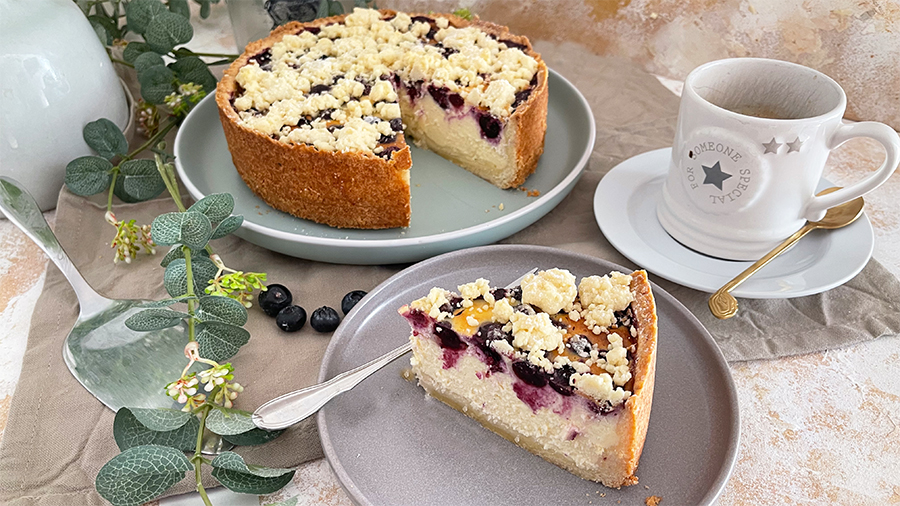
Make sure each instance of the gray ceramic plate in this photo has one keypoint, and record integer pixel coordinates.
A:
(389, 444)
(451, 208)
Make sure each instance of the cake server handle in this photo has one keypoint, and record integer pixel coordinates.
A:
(294, 407)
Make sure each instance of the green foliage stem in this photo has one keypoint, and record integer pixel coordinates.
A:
(197, 459)
(190, 293)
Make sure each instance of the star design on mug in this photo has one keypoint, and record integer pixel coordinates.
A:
(795, 146)
(771, 146)
(714, 175)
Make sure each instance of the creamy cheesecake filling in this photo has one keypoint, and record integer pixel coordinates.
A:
(457, 133)
(336, 87)
(562, 424)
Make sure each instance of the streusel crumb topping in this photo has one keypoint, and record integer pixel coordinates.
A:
(586, 330)
(334, 87)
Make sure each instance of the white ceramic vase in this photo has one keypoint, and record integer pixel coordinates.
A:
(55, 77)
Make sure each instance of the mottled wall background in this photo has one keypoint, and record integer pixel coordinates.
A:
(856, 42)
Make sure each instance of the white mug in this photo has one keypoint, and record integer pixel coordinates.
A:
(750, 146)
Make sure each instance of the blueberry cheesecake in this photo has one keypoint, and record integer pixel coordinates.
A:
(565, 371)
(317, 115)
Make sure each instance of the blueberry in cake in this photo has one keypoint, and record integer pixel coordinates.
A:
(564, 371)
(316, 115)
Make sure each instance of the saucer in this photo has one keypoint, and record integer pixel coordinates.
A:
(820, 261)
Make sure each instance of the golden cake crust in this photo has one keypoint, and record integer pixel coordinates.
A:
(637, 407)
(354, 190)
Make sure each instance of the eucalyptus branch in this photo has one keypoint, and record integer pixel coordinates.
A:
(190, 292)
(198, 460)
(121, 62)
(169, 180)
(211, 55)
(158, 136)
(112, 186)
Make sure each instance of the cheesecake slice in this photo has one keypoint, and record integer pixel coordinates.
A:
(565, 371)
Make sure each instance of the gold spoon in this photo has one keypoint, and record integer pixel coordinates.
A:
(723, 305)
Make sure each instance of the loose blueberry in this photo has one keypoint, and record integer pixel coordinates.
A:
(274, 299)
(396, 124)
(325, 319)
(351, 299)
(291, 318)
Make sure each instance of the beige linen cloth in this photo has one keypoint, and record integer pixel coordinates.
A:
(58, 436)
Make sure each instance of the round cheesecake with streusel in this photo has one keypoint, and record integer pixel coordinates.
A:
(317, 115)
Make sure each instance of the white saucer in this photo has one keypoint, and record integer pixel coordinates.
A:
(625, 208)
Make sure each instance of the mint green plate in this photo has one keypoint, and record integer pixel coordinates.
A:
(451, 208)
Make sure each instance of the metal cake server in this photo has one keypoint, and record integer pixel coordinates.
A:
(119, 366)
(294, 407)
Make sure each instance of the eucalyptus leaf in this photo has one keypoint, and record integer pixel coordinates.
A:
(216, 206)
(220, 341)
(227, 226)
(104, 137)
(154, 319)
(191, 69)
(146, 60)
(129, 432)
(167, 302)
(109, 26)
(335, 9)
(204, 9)
(161, 419)
(234, 462)
(88, 175)
(141, 473)
(104, 36)
(139, 13)
(180, 7)
(167, 30)
(229, 468)
(222, 309)
(190, 228)
(253, 437)
(362, 4)
(175, 278)
(133, 50)
(84, 5)
(141, 179)
(227, 421)
(157, 83)
(323, 10)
